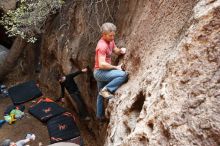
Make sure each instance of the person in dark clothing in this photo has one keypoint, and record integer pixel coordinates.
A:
(68, 82)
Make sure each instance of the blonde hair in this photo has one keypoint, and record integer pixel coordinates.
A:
(108, 27)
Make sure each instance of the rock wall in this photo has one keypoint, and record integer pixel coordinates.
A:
(3, 53)
(69, 45)
(6, 5)
(172, 96)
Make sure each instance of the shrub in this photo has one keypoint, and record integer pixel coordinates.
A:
(29, 18)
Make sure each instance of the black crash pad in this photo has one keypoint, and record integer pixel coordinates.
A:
(45, 110)
(24, 92)
(62, 128)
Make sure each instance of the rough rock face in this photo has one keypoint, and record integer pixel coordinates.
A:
(3, 53)
(172, 96)
(6, 5)
(68, 45)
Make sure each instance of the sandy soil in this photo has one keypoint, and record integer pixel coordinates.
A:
(29, 124)
(20, 128)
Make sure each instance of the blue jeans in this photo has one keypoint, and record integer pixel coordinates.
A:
(112, 80)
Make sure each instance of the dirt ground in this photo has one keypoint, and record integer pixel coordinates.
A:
(20, 128)
(29, 124)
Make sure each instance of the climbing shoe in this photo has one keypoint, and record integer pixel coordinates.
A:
(105, 93)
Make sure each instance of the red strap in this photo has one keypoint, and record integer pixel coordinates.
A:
(45, 99)
(69, 115)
